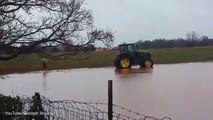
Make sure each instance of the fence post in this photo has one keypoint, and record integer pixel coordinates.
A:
(110, 100)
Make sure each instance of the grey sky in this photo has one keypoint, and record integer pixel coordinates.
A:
(151, 19)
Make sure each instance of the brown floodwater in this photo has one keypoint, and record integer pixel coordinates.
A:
(179, 91)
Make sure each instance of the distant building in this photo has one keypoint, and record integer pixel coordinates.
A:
(99, 49)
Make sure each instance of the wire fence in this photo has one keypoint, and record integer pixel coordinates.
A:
(41, 108)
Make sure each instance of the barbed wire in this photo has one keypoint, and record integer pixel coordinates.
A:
(119, 108)
(75, 110)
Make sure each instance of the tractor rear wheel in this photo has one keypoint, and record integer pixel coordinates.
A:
(147, 63)
(123, 62)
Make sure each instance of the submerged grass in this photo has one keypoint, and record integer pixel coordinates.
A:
(32, 62)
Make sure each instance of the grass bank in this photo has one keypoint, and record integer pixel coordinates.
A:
(32, 62)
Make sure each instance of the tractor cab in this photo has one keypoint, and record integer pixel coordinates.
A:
(129, 55)
(127, 48)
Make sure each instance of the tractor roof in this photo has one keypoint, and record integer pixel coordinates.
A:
(126, 44)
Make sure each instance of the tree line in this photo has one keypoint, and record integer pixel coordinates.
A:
(192, 40)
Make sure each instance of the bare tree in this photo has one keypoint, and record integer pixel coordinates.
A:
(34, 25)
(204, 38)
(192, 36)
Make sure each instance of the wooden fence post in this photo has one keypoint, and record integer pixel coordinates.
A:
(110, 100)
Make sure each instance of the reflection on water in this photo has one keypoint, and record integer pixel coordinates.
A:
(133, 70)
(180, 91)
(45, 72)
(132, 74)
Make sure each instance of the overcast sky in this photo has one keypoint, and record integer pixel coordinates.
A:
(151, 19)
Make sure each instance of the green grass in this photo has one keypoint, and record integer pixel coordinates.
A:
(32, 62)
(182, 55)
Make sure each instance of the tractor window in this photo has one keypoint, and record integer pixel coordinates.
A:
(124, 49)
(131, 49)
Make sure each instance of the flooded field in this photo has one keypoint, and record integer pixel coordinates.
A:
(179, 91)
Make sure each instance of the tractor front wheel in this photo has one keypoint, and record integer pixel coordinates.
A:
(123, 62)
(147, 63)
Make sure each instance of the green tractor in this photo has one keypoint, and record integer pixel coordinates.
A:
(129, 55)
